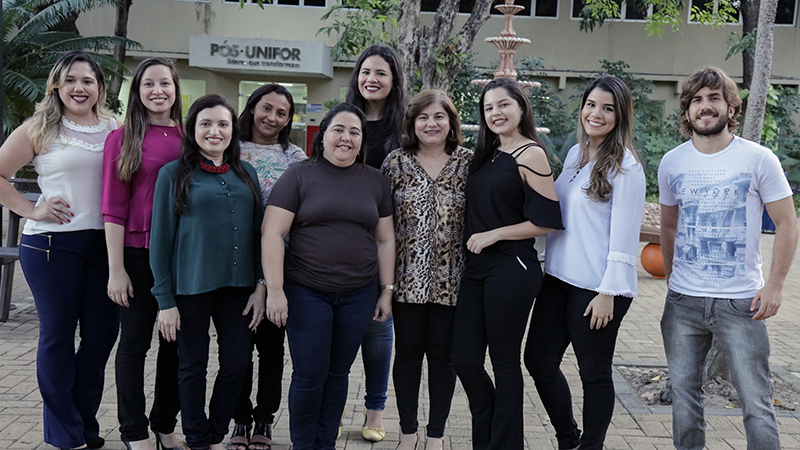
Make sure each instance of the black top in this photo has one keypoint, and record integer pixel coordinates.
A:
(497, 196)
(336, 210)
(378, 132)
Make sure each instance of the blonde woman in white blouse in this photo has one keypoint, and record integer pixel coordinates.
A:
(590, 266)
(63, 248)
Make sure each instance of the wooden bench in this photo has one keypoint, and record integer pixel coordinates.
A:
(9, 254)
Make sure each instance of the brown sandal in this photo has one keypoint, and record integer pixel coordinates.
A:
(240, 438)
(262, 437)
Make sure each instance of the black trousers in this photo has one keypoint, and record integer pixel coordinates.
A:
(422, 330)
(136, 324)
(557, 321)
(497, 292)
(225, 306)
(268, 339)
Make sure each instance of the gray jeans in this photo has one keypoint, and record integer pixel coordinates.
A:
(687, 327)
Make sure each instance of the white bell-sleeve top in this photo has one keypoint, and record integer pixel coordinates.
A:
(598, 247)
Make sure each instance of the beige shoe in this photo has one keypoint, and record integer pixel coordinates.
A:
(371, 434)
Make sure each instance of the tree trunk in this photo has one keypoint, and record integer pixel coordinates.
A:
(749, 23)
(121, 30)
(407, 41)
(418, 51)
(757, 100)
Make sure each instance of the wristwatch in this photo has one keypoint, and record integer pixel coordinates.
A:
(387, 286)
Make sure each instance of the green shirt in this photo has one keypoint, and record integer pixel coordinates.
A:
(216, 244)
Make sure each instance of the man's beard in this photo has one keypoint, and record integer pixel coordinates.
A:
(714, 130)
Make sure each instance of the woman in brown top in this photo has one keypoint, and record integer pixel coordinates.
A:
(428, 177)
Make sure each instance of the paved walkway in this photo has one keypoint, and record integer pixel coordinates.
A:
(634, 426)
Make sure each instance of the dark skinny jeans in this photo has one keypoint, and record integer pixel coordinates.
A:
(420, 330)
(557, 321)
(234, 338)
(268, 339)
(136, 324)
(497, 292)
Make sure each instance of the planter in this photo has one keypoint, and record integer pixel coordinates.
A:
(653, 261)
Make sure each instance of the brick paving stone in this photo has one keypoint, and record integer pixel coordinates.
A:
(639, 343)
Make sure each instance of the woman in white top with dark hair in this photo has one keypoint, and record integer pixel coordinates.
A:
(590, 266)
(63, 249)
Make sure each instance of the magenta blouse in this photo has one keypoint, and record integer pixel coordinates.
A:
(130, 203)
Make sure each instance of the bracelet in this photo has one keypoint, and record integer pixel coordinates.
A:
(387, 287)
(262, 282)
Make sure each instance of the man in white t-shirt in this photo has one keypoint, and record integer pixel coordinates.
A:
(712, 190)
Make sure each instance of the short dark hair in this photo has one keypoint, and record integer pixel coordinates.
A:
(422, 101)
(246, 119)
(317, 148)
(715, 79)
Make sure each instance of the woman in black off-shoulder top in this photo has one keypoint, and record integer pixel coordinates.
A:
(511, 199)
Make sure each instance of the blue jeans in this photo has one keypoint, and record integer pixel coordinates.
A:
(376, 352)
(687, 326)
(68, 273)
(325, 330)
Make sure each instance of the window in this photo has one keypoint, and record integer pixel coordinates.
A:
(316, 3)
(628, 12)
(787, 10)
(707, 5)
(541, 8)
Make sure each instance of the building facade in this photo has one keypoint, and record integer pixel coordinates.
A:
(220, 47)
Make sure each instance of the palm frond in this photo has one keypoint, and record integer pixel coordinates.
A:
(21, 84)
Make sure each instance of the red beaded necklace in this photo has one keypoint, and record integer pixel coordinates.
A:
(214, 169)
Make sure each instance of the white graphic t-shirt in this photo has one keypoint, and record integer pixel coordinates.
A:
(721, 198)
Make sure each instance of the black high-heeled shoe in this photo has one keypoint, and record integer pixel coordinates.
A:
(160, 445)
(94, 442)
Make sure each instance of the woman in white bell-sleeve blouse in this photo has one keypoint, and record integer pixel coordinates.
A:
(590, 266)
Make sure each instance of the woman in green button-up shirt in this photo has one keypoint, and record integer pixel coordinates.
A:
(204, 252)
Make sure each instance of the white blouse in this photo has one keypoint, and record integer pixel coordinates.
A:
(72, 168)
(598, 247)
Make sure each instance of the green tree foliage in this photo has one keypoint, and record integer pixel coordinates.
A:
(666, 13)
(363, 25)
(31, 47)
(780, 132)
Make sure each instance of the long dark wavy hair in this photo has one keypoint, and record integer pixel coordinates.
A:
(247, 118)
(190, 153)
(611, 151)
(488, 141)
(317, 147)
(394, 107)
(137, 119)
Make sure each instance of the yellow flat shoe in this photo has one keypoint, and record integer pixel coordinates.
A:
(371, 434)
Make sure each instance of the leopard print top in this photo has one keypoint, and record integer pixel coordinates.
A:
(429, 227)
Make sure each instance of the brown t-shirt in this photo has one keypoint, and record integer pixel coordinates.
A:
(336, 210)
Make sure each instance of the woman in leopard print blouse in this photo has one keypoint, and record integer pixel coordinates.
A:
(427, 177)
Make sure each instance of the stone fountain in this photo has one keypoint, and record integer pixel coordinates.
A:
(507, 44)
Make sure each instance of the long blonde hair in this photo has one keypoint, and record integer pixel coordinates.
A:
(46, 120)
(137, 120)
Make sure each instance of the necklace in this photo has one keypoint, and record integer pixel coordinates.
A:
(214, 169)
(496, 154)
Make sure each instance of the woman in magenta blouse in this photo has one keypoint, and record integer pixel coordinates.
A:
(150, 138)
